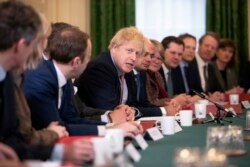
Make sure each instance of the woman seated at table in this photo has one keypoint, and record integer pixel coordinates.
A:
(156, 92)
(224, 65)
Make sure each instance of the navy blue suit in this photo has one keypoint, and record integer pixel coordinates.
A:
(40, 87)
(99, 86)
(142, 103)
(178, 81)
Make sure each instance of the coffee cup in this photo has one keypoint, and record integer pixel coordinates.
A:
(167, 125)
(116, 138)
(200, 110)
(186, 117)
(102, 151)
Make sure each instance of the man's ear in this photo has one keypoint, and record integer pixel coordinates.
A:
(76, 61)
(114, 48)
(19, 45)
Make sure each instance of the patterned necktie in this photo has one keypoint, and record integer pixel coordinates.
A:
(205, 77)
(121, 78)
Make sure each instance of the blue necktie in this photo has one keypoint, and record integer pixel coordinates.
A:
(138, 86)
(185, 78)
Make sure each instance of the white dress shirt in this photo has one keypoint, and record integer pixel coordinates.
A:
(61, 82)
(201, 63)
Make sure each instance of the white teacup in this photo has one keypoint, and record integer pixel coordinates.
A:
(200, 110)
(186, 117)
(167, 125)
(116, 138)
(102, 151)
(203, 101)
(234, 99)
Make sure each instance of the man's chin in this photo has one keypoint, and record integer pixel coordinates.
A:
(127, 70)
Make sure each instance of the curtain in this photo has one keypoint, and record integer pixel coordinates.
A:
(229, 19)
(107, 17)
(160, 18)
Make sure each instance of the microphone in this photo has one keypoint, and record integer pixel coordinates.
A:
(220, 107)
(198, 93)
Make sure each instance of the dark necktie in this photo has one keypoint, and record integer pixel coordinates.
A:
(205, 77)
(170, 85)
(138, 86)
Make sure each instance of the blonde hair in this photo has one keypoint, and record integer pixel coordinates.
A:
(36, 56)
(125, 35)
(158, 47)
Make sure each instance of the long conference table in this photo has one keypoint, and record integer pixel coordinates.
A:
(161, 153)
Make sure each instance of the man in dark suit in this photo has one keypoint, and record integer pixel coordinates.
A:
(17, 43)
(181, 75)
(86, 112)
(69, 53)
(173, 50)
(200, 68)
(136, 82)
(106, 86)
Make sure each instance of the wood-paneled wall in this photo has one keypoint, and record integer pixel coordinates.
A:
(75, 12)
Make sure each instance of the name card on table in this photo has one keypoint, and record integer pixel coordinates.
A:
(141, 141)
(242, 96)
(177, 127)
(154, 133)
(246, 104)
(231, 109)
(132, 152)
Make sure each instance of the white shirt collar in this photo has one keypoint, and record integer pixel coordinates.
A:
(45, 57)
(61, 78)
(199, 60)
(2, 73)
(183, 64)
(165, 69)
(135, 72)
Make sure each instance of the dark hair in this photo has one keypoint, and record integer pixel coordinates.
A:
(56, 27)
(186, 35)
(224, 43)
(212, 34)
(17, 21)
(67, 44)
(167, 40)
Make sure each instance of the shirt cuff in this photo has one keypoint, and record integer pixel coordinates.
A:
(163, 111)
(101, 130)
(57, 152)
(105, 118)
